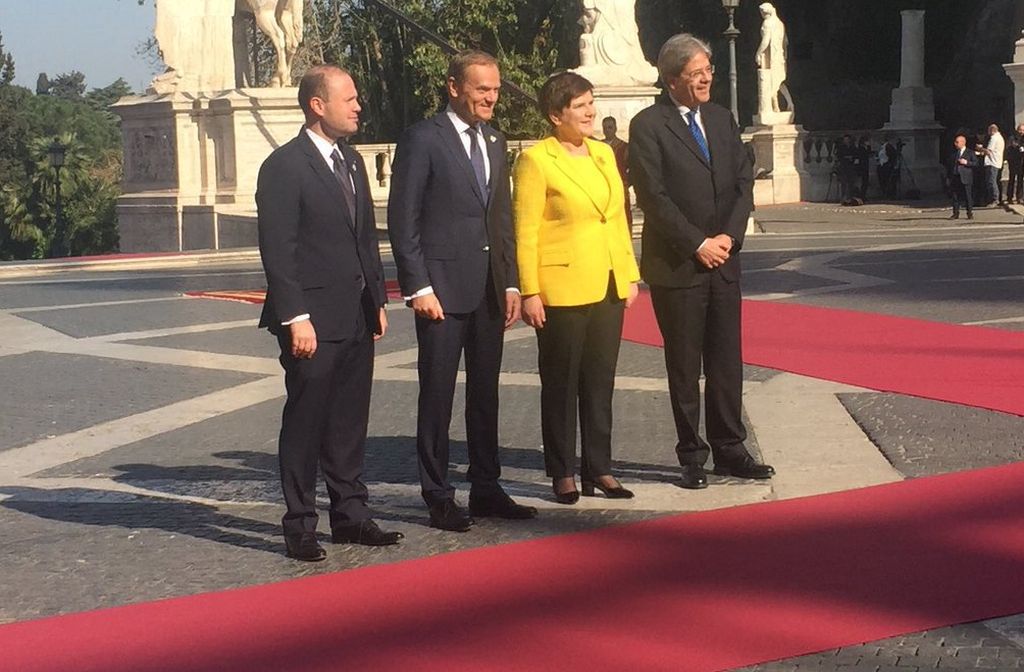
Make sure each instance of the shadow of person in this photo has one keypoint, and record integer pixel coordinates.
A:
(84, 506)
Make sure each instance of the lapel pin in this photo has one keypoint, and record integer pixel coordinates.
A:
(493, 139)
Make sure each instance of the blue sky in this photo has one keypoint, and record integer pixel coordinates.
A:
(98, 37)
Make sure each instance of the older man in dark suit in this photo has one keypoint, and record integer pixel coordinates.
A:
(960, 173)
(693, 181)
(450, 223)
(325, 303)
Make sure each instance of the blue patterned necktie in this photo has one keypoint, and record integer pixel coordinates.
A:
(476, 157)
(698, 135)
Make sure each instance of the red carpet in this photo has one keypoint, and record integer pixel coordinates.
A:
(973, 366)
(705, 591)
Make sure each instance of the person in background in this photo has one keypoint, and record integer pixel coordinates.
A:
(886, 168)
(864, 165)
(847, 166)
(960, 174)
(994, 164)
(577, 272)
(1015, 165)
(620, 148)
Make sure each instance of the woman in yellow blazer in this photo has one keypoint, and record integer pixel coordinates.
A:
(577, 272)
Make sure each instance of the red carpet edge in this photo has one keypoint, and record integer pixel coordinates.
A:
(694, 592)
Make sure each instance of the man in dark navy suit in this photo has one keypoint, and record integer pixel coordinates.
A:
(960, 173)
(693, 180)
(450, 223)
(325, 303)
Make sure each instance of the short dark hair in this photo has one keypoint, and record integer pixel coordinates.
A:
(461, 61)
(314, 84)
(559, 92)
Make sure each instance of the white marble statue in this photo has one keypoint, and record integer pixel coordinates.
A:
(771, 64)
(203, 52)
(281, 22)
(610, 53)
(195, 41)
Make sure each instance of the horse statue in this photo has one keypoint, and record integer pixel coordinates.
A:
(281, 21)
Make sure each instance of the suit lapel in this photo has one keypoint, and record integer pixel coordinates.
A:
(609, 170)
(494, 155)
(454, 144)
(326, 175)
(564, 162)
(678, 127)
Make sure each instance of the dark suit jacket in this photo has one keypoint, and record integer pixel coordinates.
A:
(315, 257)
(965, 172)
(439, 222)
(683, 198)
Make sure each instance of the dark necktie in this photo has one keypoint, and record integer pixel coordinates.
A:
(341, 174)
(698, 135)
(476, 157)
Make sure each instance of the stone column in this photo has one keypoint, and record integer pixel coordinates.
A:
(1015, 71)
(912, 114)
(912, 59)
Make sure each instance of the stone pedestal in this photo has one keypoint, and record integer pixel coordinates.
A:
(778, 161)
(919, 158)
(1015, 71)
(623, 103)
(912, 114)
(773, 119)
(190, 158)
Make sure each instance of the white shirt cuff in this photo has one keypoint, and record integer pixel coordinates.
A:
(297, 318)
(513, 289)
(701, 246)
(423, 292)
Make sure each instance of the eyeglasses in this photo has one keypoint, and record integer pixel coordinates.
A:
(705, 72)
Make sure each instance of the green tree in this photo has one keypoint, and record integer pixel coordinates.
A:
(401, 75)
(6, 65)
(101, 99)
(68, 85)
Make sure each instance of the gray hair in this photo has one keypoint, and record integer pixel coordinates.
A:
(677, 51)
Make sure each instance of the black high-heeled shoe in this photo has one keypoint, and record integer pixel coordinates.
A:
(568, 497)
(618, 492)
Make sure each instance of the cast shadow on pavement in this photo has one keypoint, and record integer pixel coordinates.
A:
(104, 508)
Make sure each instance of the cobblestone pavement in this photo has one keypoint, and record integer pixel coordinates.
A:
(137, 457)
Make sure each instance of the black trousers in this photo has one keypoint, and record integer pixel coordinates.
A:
(324, 424)
(701, 325)
(442, 343)
(1015, 187)
(578, 350)
(962, 193)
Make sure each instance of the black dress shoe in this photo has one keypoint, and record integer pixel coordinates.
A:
(305, 547)
(745, 468)
(448, 515)
(365, 532)
(499, 506)
(693, 477)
